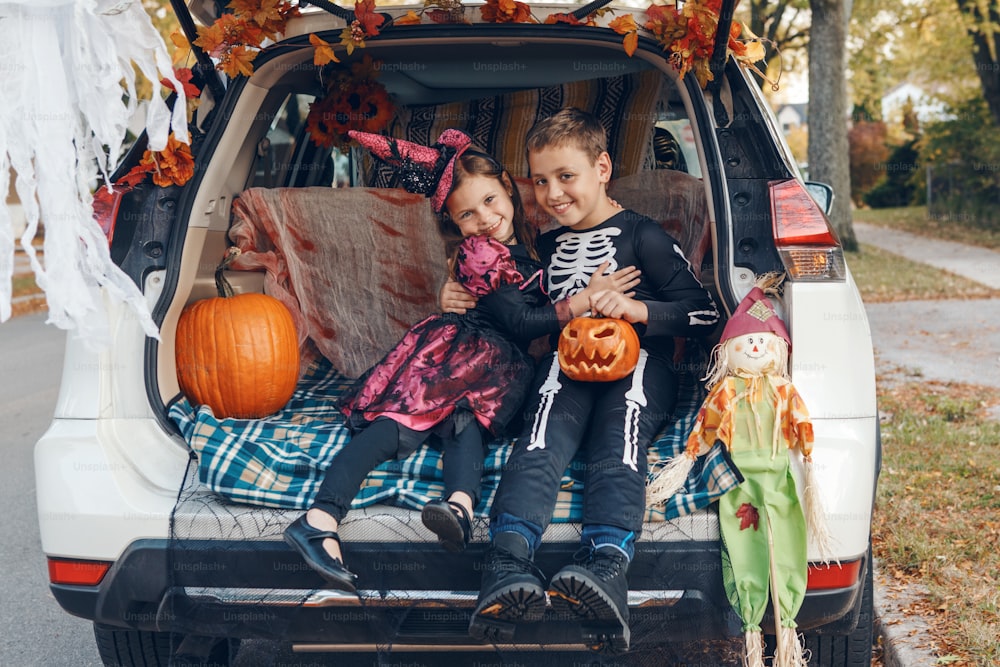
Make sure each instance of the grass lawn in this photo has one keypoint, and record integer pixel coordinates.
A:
(937, 515)
(24, 284)
(883, 276)
(914, 219)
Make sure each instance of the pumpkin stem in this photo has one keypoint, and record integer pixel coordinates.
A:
(222, 285)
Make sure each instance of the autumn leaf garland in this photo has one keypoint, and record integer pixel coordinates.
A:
(234, 40)
(687, 32)
(355, 100)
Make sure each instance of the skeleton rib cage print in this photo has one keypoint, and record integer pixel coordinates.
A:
(577, 256)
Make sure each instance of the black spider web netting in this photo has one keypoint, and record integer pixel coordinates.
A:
(232, 576)
(217, 544)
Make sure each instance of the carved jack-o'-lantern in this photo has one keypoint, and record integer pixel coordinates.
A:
(598, 349)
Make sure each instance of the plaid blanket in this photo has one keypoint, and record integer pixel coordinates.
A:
(279, 461)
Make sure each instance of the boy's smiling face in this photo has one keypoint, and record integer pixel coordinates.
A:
(570, 187)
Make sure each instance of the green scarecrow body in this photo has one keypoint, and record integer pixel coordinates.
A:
(755, 411)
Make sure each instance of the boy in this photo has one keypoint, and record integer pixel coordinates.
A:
(613, 421)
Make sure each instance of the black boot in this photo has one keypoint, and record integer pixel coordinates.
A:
(511, 591)
(595, 590)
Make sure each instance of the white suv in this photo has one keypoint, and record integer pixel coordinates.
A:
(163, 523)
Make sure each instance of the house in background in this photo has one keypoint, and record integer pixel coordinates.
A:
(793, 116)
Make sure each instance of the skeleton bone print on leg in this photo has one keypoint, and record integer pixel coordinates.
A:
(635, 400)
(548, 390)
(577, 256)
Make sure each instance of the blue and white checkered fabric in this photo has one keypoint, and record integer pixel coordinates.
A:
(279, 461)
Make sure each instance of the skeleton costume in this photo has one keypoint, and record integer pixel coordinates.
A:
(613, 421)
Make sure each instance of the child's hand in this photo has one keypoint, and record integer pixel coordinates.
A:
(619, 306)
(622, 280)
(453, 298)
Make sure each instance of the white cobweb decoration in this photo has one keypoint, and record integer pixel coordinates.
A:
(64, 66)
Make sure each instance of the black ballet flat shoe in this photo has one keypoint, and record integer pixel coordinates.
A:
(308, 541)
(450, 522)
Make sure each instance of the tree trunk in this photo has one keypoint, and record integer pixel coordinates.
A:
(986, 50)
(829, 156)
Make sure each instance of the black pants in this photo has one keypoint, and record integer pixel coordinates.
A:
(613, 421)
(462, 462)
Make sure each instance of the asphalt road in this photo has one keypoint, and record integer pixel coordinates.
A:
(36, 630)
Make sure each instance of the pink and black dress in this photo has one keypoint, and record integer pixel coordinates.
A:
(476, 363)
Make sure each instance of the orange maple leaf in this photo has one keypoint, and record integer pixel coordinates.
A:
(324, 52)
(238, 60)
(135, 175)
(561, 17)
(184, 75)
(211, 39)
(364, 13)
(269, 15)
(182, 48)
(506, 11)
(625, 25)
(410, 18)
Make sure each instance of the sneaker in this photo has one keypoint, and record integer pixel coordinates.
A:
(595, 590)
(511, 591)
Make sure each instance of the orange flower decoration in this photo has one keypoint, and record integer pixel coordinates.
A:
(506, 11)
(174, 165)
(354, 101)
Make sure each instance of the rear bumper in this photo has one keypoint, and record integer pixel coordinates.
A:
(411, 595)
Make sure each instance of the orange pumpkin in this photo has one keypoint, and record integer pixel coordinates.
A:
(237, 354)
(598, 349)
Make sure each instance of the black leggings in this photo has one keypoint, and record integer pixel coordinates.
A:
(462, 462)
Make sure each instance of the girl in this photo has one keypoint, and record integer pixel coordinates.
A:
(459, 376)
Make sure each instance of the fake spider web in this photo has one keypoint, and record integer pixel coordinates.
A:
(201, 516)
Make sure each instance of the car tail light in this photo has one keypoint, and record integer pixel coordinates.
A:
(833, 576)
(807, 244)
(106, 205)
(78, 572)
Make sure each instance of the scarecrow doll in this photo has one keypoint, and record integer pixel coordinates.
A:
(755, 412)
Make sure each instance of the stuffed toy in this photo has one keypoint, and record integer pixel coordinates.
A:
(754, 410)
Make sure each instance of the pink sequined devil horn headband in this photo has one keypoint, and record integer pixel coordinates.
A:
(425, 170)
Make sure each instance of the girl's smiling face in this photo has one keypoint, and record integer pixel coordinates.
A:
(753, 354)
(482, 205)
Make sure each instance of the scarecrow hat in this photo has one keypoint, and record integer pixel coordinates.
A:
(755, 314)
(424, 170)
